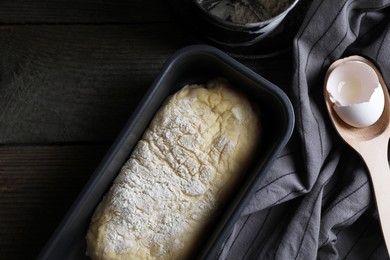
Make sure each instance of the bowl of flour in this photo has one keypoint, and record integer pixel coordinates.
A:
(240, 25)
(251, 20)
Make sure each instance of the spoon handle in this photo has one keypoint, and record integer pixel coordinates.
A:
(374, 153)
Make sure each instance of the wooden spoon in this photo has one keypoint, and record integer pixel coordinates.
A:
(371, 143)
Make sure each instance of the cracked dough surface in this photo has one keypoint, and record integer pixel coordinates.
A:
(194, 150)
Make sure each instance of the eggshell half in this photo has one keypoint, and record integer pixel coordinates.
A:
(363, 114)
(366, 104)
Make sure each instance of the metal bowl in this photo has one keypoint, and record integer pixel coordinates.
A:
(243, 33)
(257, 39)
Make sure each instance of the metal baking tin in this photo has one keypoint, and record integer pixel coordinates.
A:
(193, 64)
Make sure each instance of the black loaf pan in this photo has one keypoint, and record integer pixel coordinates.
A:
(193, 64)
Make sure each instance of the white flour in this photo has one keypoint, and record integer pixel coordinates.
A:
(245, 11)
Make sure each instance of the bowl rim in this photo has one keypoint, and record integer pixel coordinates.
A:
(280, 16)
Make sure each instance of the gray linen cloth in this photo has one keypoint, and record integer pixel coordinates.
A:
(317, 201)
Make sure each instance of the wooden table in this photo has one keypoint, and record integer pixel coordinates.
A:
(71, 74)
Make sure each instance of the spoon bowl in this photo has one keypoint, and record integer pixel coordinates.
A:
(353, 134)
(371, 143)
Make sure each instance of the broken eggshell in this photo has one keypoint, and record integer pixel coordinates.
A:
(356, 93)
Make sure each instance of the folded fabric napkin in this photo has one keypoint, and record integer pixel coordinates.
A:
(317, 201)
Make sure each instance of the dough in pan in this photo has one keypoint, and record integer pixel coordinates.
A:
(189, 159)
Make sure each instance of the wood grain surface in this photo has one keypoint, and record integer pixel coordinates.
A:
(63, 83)
(71, 74)
(83, 11)
(37, 185)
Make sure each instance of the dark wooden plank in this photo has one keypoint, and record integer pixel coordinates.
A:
(37, 186)
(83, 12)
(77, 83)
(277, 69)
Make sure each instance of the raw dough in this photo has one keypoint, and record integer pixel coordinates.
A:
(194, 151)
